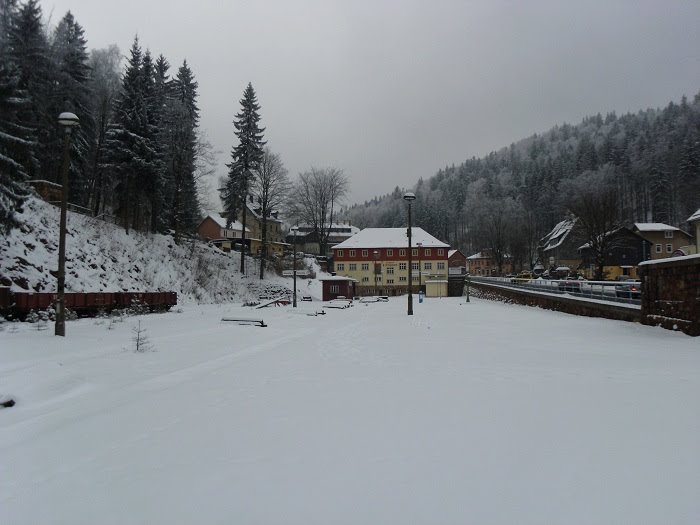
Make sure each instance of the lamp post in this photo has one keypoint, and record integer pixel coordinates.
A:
(68, 121)
(410, 197)
(294, 268)
(376, 276)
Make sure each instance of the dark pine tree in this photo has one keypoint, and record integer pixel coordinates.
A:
(246, 156)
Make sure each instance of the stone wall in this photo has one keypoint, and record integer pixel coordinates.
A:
(671, 293)
(559, 303)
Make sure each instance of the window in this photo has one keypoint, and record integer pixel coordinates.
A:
(389, 281)
(364, 253)
(415, 252)
(335, 288)
(390, 270)
(340, 253)
(668, 235)
(441, 266)
(378, 278)
(365, 267)
(658, 248)
(402, 266)
(428, 266)
(427, 252)
(353, 267)
(340, 267)
(352, 253)
(441, 252)
(414, 266)
(669, 248)
(390, 253)
(365, 279)
(402, 253)
(402, 278)
(415, 278)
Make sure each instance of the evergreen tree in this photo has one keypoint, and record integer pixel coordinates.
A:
(245, 157)
(73, 92)
(15, 137)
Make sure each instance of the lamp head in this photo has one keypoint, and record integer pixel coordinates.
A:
(409, 196)
(68, 119)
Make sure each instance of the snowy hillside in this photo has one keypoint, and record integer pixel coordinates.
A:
(102, 257)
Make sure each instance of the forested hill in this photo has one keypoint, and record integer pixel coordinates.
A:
(652, 156)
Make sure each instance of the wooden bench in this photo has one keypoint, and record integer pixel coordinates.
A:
(243, 320)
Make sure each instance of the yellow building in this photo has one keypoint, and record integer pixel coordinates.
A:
(378, 259)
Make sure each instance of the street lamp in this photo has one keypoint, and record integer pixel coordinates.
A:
(376, 276)
(410, 197)
(68, 121)
(294, 268)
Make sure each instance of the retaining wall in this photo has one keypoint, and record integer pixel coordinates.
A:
(559, 303)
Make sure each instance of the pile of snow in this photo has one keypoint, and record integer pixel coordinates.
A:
(479, 413)
(101, 257)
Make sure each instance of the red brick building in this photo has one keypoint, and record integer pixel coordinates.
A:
(337, 286)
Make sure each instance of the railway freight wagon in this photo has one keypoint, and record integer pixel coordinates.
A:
(19, 304)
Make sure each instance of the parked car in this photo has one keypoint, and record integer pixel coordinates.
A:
(569, 286)
(629, 290)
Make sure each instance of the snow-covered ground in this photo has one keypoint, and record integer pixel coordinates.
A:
(482, 413)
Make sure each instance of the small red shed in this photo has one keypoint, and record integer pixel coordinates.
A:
(337, 286)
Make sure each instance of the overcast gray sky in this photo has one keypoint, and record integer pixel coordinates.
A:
(391, 91)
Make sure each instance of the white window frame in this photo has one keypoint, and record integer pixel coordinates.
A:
(390, 270)
(402, 253)
(427, 252)
(659, 248)
(403, 266)
(352, 253)
(353, 267)
(441, 266)
(365, 253)
(441, 252)
(668, 234)
(669, 248)
(428, 266)
(340, 267)
(365, 267)
(390, 253)
(339, 253)
(334, 288)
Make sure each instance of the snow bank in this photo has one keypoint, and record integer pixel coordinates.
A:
(102, 257)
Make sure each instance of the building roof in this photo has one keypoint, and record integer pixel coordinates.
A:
(479, 255)
(695, 216)
(654, 227)
(337, 278)
(218, 219)
(371, 238)
(558, 235)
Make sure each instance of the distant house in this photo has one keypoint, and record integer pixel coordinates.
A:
(254, 227)
(664, 238)
(307, 240)
(213, 229)
(560, 246)
(627, 250)
(694, 221)
(483, 263)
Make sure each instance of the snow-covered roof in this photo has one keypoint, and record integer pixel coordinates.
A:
(654, 227)
(371, 238)
(235, 225)
(558, 234)
(695, 216)
(478, 255)
(337, 278)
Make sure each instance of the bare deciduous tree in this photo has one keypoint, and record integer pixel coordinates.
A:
(593, 199)
(314, 199)
(270, 188)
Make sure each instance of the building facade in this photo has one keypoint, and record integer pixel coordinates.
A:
(665, 239)
(213, 229)
(377, 258)
(307, 240)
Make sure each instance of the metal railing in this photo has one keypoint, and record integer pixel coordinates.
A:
(611, 291)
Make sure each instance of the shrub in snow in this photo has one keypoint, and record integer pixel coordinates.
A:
(140, 340)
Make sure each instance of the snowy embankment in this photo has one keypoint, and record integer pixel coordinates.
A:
(102, 257)
(481, 413)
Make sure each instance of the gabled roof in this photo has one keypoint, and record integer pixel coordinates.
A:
(695, 216)
(256, 213)
(654, 227)
(479, 255)
(218, 219)
(558, 235)
(371, 238)
(450, 253)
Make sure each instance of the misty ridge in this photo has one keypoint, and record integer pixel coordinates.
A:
(651, 159)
